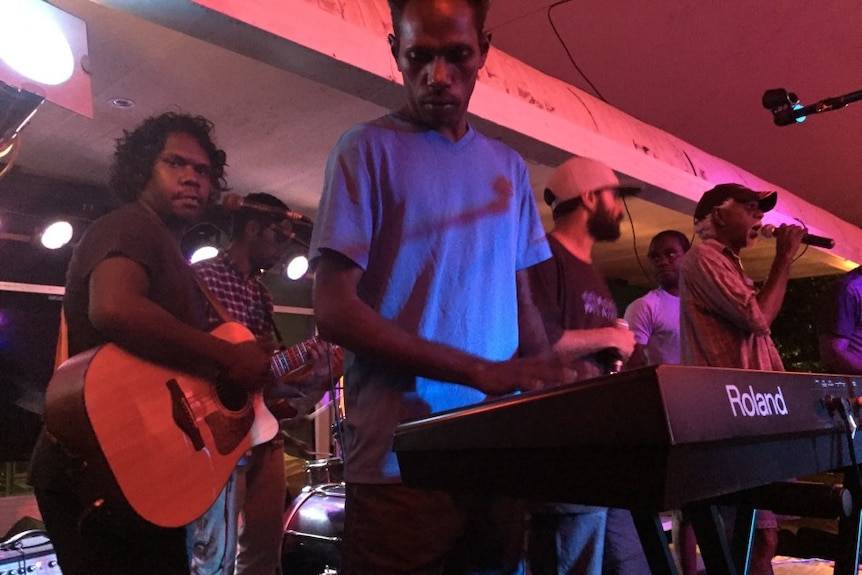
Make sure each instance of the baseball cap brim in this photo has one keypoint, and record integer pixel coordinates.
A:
(767, 200)
(629, 190)
(715, 197)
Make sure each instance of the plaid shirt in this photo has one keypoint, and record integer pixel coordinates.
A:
(245, 297)
(721, 324)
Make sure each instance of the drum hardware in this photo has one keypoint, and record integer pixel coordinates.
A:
(313, 530)
(324, 471)
(313, 536)
(314, 521)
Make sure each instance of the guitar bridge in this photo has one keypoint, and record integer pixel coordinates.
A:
(182, 414)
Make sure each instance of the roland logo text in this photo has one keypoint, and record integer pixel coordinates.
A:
(748, 403)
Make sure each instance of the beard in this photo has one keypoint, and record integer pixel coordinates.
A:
(603, 226)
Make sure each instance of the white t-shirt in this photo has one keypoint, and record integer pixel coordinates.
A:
(654, 319)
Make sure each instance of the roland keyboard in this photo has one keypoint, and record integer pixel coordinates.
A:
(650, 439)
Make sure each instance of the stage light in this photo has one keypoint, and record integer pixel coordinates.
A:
(43, 49)
(32, 44)
(201, 242)
(296, 262)
(296, 267)
(57, 235)
(203, 253)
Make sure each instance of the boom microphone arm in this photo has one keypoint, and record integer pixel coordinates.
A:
(785, 107)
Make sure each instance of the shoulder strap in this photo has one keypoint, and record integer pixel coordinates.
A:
(213, 300)
(276, 331)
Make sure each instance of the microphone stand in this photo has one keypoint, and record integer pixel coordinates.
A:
(785, 114)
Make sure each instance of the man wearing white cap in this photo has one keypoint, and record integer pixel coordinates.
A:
(580, 318)
(724, 320)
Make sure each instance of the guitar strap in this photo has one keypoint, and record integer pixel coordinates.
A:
(217, 306)
(277, 332)
(224, 314)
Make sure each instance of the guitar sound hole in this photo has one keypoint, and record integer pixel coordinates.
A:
(233, 397)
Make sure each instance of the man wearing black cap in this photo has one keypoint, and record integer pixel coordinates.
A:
(258, 241)
(580, 318)
(724, 320)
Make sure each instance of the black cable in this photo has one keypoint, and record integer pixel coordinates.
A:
(635, 242)
(516, 19)
(805, 249)
(568, 53)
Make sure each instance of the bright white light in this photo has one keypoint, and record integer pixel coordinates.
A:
(296, 268)
(203, 253)
(32, 44)
(57, 235)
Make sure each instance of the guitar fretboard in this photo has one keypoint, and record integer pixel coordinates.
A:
(283, 362)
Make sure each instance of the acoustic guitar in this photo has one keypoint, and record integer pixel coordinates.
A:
(161, 440)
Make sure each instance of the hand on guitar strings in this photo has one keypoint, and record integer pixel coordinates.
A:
(248, 365)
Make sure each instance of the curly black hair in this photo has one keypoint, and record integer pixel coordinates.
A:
(138, 149)
(480, 13)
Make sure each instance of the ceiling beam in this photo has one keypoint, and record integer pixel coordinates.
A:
(343, 45)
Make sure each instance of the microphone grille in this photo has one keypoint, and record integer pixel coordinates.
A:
(767, 230)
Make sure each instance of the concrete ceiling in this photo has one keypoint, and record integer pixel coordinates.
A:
(694, 69)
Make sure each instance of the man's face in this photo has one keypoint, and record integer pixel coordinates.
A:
(604, 222)
(665, 255)
(269, 243)
(740, 224)
(179, 186)
(439, 53)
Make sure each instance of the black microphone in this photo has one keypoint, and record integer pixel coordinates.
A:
(768, 231)
(610, 357)
(235, 202)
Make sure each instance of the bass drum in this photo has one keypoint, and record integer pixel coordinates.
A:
(313, 529)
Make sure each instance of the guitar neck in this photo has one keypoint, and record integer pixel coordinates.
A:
(283, 362)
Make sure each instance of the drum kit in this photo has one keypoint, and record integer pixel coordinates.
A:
(314, 520)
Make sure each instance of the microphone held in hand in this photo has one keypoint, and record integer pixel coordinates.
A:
(235, 202)
(611, 357)
(768, 231)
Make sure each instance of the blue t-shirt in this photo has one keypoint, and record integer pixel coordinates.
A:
(440, 229)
